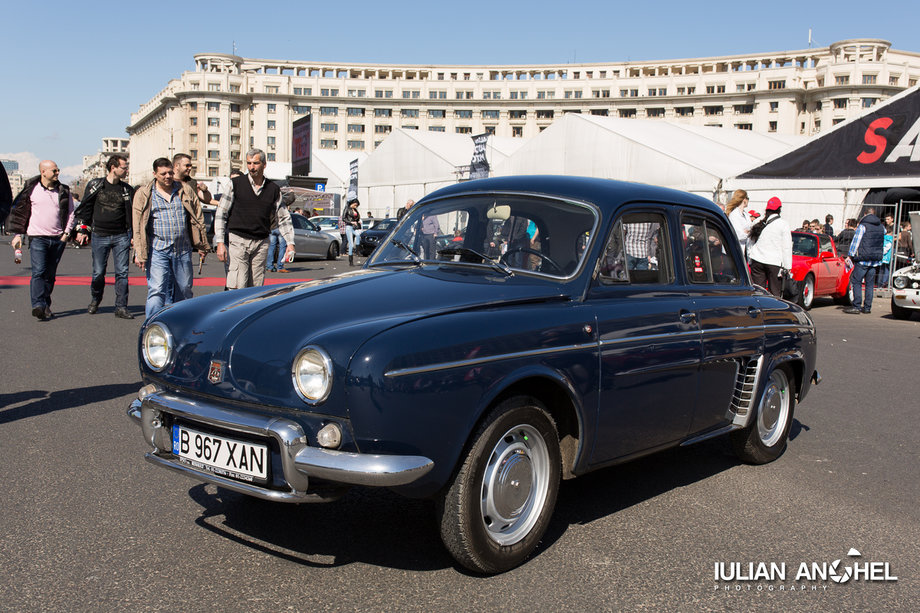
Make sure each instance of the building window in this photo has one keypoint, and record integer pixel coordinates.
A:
(383, 129)
(213, 106)
(271, 124)
(383, 112)
(213, 121)
(329, 127)
(271, 89)
(517, 114)
(356, 128)
(328, 111)
(772, 127)
(355, 112)
(842, 79)
(893, 80)
(409, 127)
(411, 93)
(271, 107)
(234, 108)
(408, 112)
(776, 85)
(545, 94)
(270, 156)
(357, 93)
(517, 131)
(870, 79)
(658, 112)
(774, 106)
(684, 111)
(490, 114)
(544, 114)
(234, 139)
(300, 109)
(383, 93)
(193, 138)
(356, 144)
(743, 109)
(213, 87)
(193, 153)
(490, 129)
(464, 130)
(744, 126)
(329, 143)
(436, 113)
(193, 121)
(234, 89)
(713, 110)
(840, 103)
(271, 141)
(235, 123)
(212, 171)
(599, 112)
(464, 114)
(435, 128)
(213, 138)
(869, 102)
(627, 113)
(213, 154)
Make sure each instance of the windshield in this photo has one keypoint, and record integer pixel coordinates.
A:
(384, 224)
(515, 232)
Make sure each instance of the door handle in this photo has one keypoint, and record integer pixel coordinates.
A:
(754, 311)
(687, 317)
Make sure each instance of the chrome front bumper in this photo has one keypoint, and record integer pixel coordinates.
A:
(299, 460)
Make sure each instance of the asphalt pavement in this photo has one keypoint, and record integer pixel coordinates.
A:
(88, 525)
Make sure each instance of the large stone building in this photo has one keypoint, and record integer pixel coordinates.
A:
(229, 104)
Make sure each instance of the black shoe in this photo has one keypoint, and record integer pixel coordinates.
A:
(123, 313)
(853, 310)
(39, 313)
(93, 307)
(866, 310)
(351, 260)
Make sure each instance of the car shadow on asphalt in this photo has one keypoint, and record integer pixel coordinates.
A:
(45, 402)
(381, 528)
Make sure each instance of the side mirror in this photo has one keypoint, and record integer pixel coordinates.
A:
(826, 255)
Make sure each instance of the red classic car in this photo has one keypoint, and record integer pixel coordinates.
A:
(818, 270)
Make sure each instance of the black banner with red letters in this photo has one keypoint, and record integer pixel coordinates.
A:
(883, 143)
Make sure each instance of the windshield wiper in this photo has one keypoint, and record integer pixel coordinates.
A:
(402, 245)
(497, 264)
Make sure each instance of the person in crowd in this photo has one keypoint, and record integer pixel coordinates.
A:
(182, 167)
(884, 270)
(845, 237)
(770, 248)
(351, 221)
(106, 212)
(865, 256)
(168, 224)
(638, 242)
(43, 210)
(829, 225)
(905, 245)
(741, 219)
(245, 212)
(402, 210)
(431, 228)
(889, 223)
(815, 226)
(276, 243)
(6, 198)
(806, 226)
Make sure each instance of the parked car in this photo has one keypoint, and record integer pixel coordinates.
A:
(818, 270)
(330, 224)
(372, 236)
(905, 282)
(577, 324)
(311, 242)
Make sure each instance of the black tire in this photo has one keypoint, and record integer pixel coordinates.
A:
(900, 312)
(846, 299)
(333, 251)
(764, 439)
(488, 522)
(806, 296)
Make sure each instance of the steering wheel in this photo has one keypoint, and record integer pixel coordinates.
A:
(530, 251)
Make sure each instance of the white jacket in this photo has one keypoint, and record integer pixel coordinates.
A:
(741, 224)
(774, 246)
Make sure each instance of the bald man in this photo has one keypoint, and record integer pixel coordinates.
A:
(44, 211)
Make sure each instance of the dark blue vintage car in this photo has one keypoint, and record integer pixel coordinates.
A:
(570, 324)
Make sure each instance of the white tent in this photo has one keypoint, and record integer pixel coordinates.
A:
(412, 163)
(691, 158)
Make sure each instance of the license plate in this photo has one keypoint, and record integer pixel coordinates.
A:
(223, 456)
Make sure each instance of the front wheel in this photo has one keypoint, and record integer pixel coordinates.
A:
(764, 440)
(498, 505)
(899, 312)
(806, 296)
(333, 252)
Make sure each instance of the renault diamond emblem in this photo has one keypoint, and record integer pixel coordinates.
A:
(216, 372)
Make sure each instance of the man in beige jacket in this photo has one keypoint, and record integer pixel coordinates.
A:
(168, 224)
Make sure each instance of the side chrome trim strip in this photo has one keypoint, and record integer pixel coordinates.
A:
(415, 370)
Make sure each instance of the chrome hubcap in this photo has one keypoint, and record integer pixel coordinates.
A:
(808, 292)
(774, 409)
(515, 485)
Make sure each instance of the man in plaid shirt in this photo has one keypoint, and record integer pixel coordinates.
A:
(638, 244)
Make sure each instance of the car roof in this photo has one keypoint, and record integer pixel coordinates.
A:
(605, 193)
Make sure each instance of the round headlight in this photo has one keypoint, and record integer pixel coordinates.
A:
(157, 346)
(312, 373)
(900, 282)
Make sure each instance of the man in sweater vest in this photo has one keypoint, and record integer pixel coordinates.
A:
(245, 212)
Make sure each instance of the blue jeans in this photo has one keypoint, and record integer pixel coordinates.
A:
(44, 256)
(275, 239)
(859, 274)
(350, 234)
(120, 246)
(169, 278)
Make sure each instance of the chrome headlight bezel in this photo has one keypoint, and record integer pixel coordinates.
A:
(900, 282)
(317, 360)
(152, 331)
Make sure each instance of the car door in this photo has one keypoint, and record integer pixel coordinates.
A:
(649, 339)
(729, 315)
(830, 268)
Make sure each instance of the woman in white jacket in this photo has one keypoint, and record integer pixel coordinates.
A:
(741, 219)
(770, 249)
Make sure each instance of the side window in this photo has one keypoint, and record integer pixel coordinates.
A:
(707, 258)
(825, 241)
(299, 222)
(637, 251)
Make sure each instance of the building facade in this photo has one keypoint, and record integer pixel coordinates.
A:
(229, 104)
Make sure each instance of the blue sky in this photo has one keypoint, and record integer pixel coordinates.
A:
(73, 72)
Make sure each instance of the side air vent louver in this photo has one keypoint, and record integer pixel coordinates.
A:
(746, 385)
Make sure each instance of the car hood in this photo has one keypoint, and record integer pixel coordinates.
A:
(254, 335)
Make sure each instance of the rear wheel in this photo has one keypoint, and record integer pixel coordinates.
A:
(847, 298)
(807, 295)
(333, 252)
(899, 312)
(765, 438)
(498, 505)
